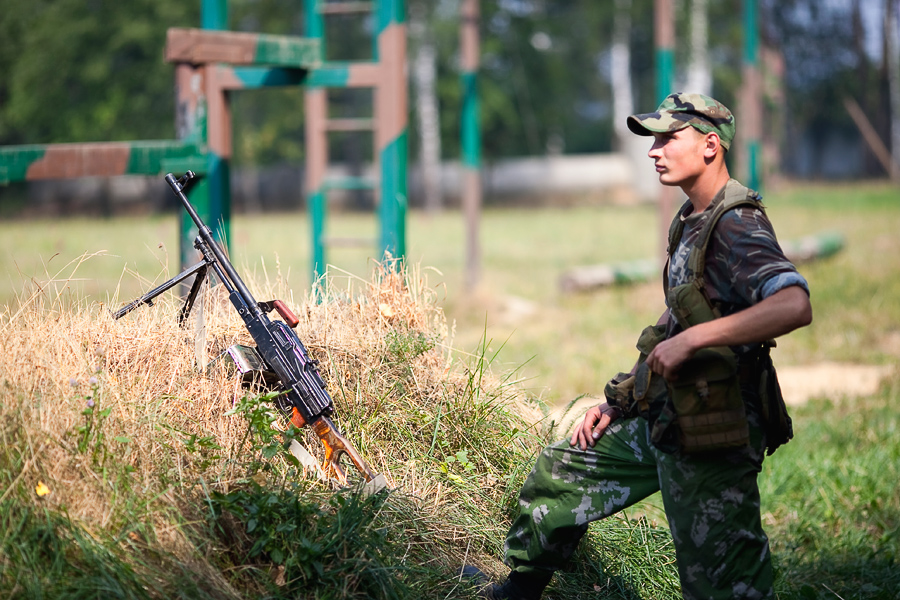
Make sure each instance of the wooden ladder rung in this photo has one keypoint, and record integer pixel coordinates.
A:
(344, 8)
(350, 124)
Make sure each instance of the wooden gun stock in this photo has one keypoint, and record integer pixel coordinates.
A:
(336, 446)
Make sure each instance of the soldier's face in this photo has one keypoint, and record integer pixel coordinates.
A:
(680, 156)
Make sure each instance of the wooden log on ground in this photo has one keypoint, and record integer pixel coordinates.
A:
(591, 277)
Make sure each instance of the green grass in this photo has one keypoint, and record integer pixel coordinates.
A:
(831, 503)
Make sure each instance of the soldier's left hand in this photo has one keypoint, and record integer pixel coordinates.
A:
(668, 356)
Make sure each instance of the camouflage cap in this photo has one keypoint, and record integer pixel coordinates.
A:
(678, 111)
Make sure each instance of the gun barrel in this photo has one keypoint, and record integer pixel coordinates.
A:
(178, 186)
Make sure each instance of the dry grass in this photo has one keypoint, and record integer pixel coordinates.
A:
(118, 422)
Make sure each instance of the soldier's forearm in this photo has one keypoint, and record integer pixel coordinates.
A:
(780, 313)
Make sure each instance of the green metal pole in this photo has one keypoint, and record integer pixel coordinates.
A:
(316, 147)
(214, 14)
(665, 66)
(471, 122)
(752, 90)
(315, 24)
(317, 221)
(391, 32)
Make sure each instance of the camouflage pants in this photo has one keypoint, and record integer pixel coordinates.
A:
(711, 502)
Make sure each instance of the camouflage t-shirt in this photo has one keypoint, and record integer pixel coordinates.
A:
(744, 262)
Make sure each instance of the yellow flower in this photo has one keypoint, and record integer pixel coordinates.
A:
(41, 489)
(386, 310)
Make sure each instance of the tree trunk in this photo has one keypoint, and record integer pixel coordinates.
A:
(699, 72)
(870, 162)
(620, 71)
(892, 44)
(424, 72)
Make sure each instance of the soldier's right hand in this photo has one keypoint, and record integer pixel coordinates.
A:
(595, 422)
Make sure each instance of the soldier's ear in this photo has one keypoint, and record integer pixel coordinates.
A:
(713, 145)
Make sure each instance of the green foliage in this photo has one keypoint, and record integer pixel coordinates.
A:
(89, 436)
(44, 553)
(542, 86)
(94, 71)
(406, 346)
(263, 437)
(832, 499)
(88, 71)
(627, 558)
(322, 547)
(49, 556)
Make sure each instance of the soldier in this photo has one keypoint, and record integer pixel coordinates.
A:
(696, 414)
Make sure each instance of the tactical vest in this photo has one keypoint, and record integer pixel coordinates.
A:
(736, 195)
(703, 410)
(706, 397)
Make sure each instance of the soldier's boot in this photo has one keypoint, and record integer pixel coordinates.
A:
(518, 586)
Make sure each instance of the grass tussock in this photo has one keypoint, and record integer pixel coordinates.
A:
(831, 502)
(124, 461)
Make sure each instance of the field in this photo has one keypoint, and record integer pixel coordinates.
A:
(830, 498)
(566, 342)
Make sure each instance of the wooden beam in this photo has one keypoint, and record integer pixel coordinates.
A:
(200, 46)
(868, 132)
(97, 159)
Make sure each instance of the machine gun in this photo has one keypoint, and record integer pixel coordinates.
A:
(279, 353)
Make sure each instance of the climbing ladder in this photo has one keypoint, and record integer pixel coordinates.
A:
(212, 62)
(385, 75)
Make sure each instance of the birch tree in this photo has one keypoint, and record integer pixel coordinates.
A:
(892, 47)
(699, 72)
(424, 74)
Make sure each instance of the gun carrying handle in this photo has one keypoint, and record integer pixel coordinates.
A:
(287, 314)
(289, 317)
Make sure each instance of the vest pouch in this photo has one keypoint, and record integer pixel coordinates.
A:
(648, 386)
(689, 305)
(779, 428)
(629, 391)
(708, 404)
(650, 337)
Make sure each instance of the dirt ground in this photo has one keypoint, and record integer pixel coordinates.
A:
(830, 380)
